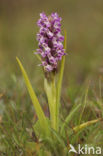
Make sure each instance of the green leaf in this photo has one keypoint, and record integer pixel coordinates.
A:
(48, 90)
(84, 125)
(69, 117)
(37, 129)
(60, 78)
(42, 119)
(51, 95)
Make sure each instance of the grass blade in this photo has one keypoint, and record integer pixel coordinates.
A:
(38, 109)
(58, 137)
(69, 117)
(85, 102)
(84, 125)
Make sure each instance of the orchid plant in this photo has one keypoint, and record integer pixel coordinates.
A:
(51, 53)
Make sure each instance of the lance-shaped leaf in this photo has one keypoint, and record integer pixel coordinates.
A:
(42, 119)
(84, 125)
(60, 78)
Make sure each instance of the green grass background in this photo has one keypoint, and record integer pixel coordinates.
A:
(83, 21)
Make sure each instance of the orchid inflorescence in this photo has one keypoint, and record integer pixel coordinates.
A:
(50, 41)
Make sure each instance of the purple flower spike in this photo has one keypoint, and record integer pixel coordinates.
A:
(50, 41)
